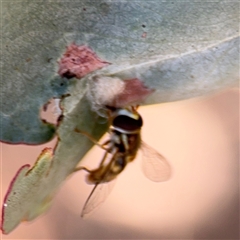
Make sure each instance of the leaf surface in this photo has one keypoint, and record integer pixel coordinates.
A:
(180, 49)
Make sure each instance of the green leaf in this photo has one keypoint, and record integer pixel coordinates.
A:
(180, 49)
(32, 190)
(22, 188)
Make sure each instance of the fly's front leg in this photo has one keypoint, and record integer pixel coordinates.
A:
(94, 140)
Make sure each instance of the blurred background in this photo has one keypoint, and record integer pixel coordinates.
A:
(199, 138)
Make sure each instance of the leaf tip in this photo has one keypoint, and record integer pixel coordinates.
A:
(3, 225)
(24, 199)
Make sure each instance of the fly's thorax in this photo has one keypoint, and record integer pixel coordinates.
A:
(134, 142)
(118, 164)
(126, 143)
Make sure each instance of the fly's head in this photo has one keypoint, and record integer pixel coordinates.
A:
(125, 120)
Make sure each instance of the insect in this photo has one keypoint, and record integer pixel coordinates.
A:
(122, 146)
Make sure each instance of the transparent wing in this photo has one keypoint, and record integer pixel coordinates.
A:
(97, 196)
(154, 165)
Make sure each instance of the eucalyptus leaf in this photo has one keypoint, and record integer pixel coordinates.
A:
(181, 49)
(32, 189)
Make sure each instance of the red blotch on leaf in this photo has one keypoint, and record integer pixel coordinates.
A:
(78, 61)
(134, 92)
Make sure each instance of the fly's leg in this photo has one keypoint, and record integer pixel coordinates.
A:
(89, 171)
(82, 168)
(94, 140)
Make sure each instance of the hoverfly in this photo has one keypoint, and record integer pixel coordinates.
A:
(125, 140)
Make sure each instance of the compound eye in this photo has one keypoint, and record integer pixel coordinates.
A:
(127, 123)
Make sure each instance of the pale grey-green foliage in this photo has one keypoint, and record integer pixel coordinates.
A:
(190, 48)
(31, 193)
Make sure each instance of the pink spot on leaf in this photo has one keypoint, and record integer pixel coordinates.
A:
(144, 35)
(134, 92)
(78, 61)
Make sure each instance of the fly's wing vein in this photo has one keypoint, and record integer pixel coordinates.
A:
(97, 196)
(155, 167)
